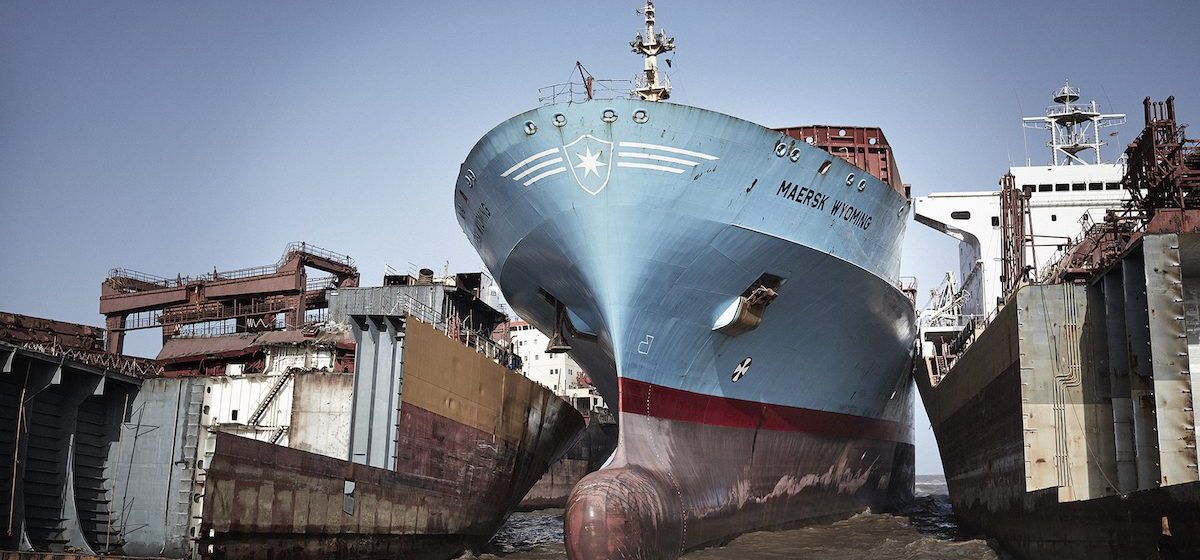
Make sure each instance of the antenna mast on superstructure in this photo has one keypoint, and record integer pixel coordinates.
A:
(652, 85)
(1073, 127)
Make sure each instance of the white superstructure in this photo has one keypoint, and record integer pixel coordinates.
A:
(1064, 197)
(555, 371)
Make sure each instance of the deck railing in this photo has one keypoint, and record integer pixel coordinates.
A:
(386, 302)
(577, 92)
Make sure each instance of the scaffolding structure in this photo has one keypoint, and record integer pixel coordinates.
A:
(254, 298)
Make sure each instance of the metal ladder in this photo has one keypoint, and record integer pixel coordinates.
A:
(268, 399)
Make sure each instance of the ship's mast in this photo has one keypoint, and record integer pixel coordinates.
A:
(1074, 127)
(652, 85)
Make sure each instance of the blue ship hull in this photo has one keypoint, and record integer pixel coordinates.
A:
(648, 223)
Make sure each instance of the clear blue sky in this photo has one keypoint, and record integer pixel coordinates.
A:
(170, 137)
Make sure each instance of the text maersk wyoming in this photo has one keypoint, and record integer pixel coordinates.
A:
(731, 287)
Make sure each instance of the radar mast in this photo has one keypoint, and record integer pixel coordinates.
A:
(652, 85)
(1074, 127)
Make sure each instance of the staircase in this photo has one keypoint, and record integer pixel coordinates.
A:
(268, 399)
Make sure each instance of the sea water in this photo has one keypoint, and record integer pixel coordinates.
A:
(923, 530)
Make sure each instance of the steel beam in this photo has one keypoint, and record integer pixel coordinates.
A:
(1113, 286)
(1168, 344)
(1141, 386)
(378, 379)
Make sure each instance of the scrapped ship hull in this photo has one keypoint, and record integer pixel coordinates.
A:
(1039, 473)
(646, 222)
(589, 453)
(473, 438)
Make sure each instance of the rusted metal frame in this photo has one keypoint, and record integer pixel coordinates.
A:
(1158, 161)
(1013, 210)
(279, 288)
(122, 368)
(24, 328)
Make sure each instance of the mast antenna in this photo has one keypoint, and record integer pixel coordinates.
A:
(652, 85)
(1074, 127)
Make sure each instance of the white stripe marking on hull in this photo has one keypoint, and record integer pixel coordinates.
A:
(650, 166)
(667, 149)
(525, 161)
(668, 159)
(522, 174)
(545, 174)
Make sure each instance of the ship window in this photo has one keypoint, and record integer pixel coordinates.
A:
(348, 497)
(233, 415)
(960, 215)
(1028, 188)
(1078, 187)
(1045, 188)
(1095, 186)
(995, 221)
(1112, 186)
(1053, 217)
(1060, 187)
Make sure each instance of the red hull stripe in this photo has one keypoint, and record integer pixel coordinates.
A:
(639, 397)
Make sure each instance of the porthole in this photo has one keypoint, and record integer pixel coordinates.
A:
(640, 116)
(872, 141)
(849, 179)
(794, 155)
(862, 184)
(609, 115)
(530, 128)
(842, 132)
(560, 119)
(824, 167)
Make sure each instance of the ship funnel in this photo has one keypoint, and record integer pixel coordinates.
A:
(425, 276)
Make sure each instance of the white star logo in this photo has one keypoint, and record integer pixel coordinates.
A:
(595, 160)
(590, 162)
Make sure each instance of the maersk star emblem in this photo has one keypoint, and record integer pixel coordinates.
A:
(590, 162)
